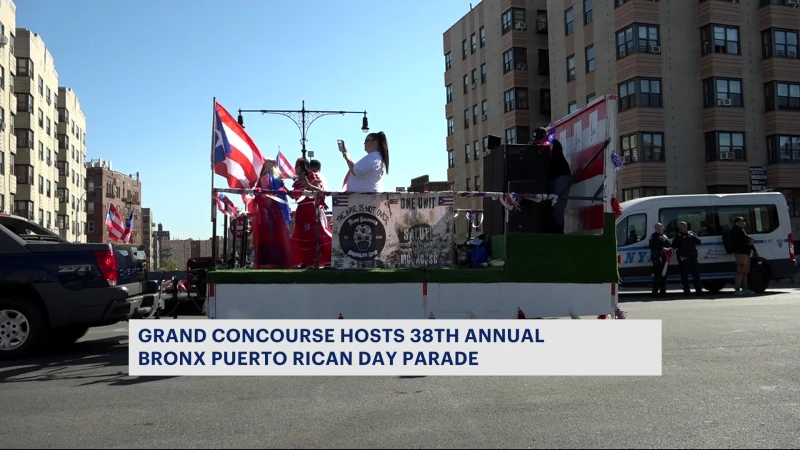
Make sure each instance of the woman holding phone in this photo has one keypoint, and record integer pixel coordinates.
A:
(366, 175)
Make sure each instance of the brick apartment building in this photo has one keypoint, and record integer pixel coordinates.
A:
(705, 93)
(104, 186)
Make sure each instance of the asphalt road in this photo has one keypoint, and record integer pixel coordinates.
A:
(731, 380)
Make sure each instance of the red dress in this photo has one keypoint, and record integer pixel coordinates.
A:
(304, 237)
(271, 241)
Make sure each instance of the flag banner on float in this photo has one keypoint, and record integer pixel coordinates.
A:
(395, 348)
(392, 231)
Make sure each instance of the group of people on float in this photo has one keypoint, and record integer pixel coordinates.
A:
(274, 246)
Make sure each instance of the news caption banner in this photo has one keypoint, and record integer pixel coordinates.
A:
(395, 348)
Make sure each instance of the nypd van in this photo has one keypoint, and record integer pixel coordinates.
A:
(708, 216)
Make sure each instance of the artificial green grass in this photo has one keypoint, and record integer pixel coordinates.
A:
(531, 258)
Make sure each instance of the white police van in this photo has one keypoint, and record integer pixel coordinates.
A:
(708, 215)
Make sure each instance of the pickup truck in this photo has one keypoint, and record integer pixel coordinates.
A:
(52, 291)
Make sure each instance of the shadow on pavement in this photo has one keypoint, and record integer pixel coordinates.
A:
(635, 297)
(87, 361)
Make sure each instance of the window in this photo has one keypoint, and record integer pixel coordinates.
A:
(25, 67)
(41, 118)
(466, 118)
(2, 163)
(24, 103)
(482, 33)
(467, 153)
(590, 59)
(630, 194)
(47, 94)
(483, 73)
(41, 184)
(63, 115)
(630, 149)
(632, 229)
(643, 146)
(544, 101)
(783, 149)
(24, 138)
(90, 226)
(47, 190)
(466, 83)
(467, 185)
(476, 150)
(571, 67)
(760, 219)
(474, 78)
(62, 194)
(725, 146)
(722, 92)
(588, 10)
(590, 98)
(637, 38)
(449, 129)
(448, 61)
(714, 221)
(572, 107)
(779, 43)
(464, 50)
(699, 219)
(485, 144)
(2, 77)
(41, 86)
(24, 208)
(41, 151)
(518, 135)
(782, 95)
(569, 21)
(516, 98)
(511, 136)
(544, 62)
(473, 41)
(474, 114)
(720, 39)
(516, 58)
(47, 125)
(450, 162)
(511, 17)
(640, 92)
(449, 91)
(485, 107)
(2, 203)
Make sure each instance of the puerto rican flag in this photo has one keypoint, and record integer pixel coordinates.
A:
(285, 167)
(226, 206)
(116, 228)
(128, 233)
(236, 157)
(583, 136)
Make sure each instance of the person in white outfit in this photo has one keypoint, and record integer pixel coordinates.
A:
(366, 175)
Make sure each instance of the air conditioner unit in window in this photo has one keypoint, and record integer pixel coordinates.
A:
(655, 49)
(521, 26)
(727, 156)
(724, 102)
(3, 41)
(522, 66)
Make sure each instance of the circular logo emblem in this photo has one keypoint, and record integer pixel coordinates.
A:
(362, 237)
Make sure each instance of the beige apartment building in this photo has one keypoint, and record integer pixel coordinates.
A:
(36, 87)
(71, 220)
(707, 93)
(496, 82)
(8, 107)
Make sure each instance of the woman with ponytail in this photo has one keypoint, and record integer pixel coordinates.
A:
(366, 175)
(311, 228)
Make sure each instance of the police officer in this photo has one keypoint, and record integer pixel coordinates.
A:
(686, 243)
(659, 246)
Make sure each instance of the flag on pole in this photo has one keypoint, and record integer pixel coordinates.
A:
(116, 229)
(236, 156)
(226, 206)
(284, 166)
(128, 233)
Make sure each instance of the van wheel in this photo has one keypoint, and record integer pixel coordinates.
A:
(758, 280)
(23, 330)
(713, 286)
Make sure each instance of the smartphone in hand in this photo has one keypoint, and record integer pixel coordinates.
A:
(341, 145)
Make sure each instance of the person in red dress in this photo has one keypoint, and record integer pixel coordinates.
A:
(307, 231)
(270, 219)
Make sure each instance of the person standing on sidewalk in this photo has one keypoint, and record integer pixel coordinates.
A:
(686, 243)
(743, 246)
(659, 246)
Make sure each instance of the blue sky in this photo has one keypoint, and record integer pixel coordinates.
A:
(146, 73)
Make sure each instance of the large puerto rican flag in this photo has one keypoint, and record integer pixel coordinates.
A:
(236, 157)
(583, 135)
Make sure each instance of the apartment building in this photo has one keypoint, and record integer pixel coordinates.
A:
(36, 88)
(148, 236)
(708, 94)
(71, 219)
(105, 186)
(496, 82)
(8, 109)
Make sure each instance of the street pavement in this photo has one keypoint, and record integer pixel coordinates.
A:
(731, 380)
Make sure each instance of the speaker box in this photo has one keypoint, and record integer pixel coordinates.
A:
(532, 217)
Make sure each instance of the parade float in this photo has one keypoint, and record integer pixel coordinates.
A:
(394, 253)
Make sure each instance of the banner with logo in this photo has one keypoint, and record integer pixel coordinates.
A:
(392, 231)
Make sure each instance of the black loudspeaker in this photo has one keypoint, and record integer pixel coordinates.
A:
(525, 168)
